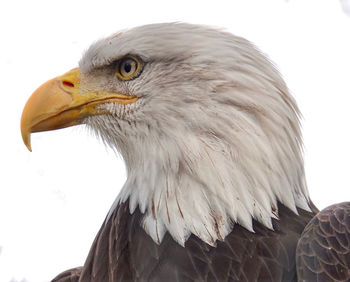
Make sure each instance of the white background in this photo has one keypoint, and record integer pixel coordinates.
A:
(53, 201)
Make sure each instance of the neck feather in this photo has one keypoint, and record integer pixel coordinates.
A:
(198, 185)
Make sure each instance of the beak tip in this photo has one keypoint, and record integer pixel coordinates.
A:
(29, 147)
(27, 143)
(26, 140)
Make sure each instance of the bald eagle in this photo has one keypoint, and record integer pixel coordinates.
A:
(210, 136)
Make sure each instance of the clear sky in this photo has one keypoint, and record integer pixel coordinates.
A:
(53, 201)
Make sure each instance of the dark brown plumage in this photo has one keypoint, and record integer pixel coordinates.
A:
(122, 251)
(323, 252)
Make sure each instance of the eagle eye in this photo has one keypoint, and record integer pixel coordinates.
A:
(128, 68)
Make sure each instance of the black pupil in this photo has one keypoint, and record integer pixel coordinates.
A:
(127, 67)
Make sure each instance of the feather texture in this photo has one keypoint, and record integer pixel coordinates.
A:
(123, 251)
(323, 252)
(214, 138)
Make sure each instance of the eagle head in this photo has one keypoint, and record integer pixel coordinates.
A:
(207, 128)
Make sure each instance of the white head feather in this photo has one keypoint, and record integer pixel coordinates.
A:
(214, 139)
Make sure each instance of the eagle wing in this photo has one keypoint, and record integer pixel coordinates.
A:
(323, 252)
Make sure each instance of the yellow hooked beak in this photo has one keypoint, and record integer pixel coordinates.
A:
(60, 103)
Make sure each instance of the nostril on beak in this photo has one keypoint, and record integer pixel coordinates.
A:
(67, 83)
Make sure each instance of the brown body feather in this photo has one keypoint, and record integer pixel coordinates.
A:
(122, 251)
(323, 252)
